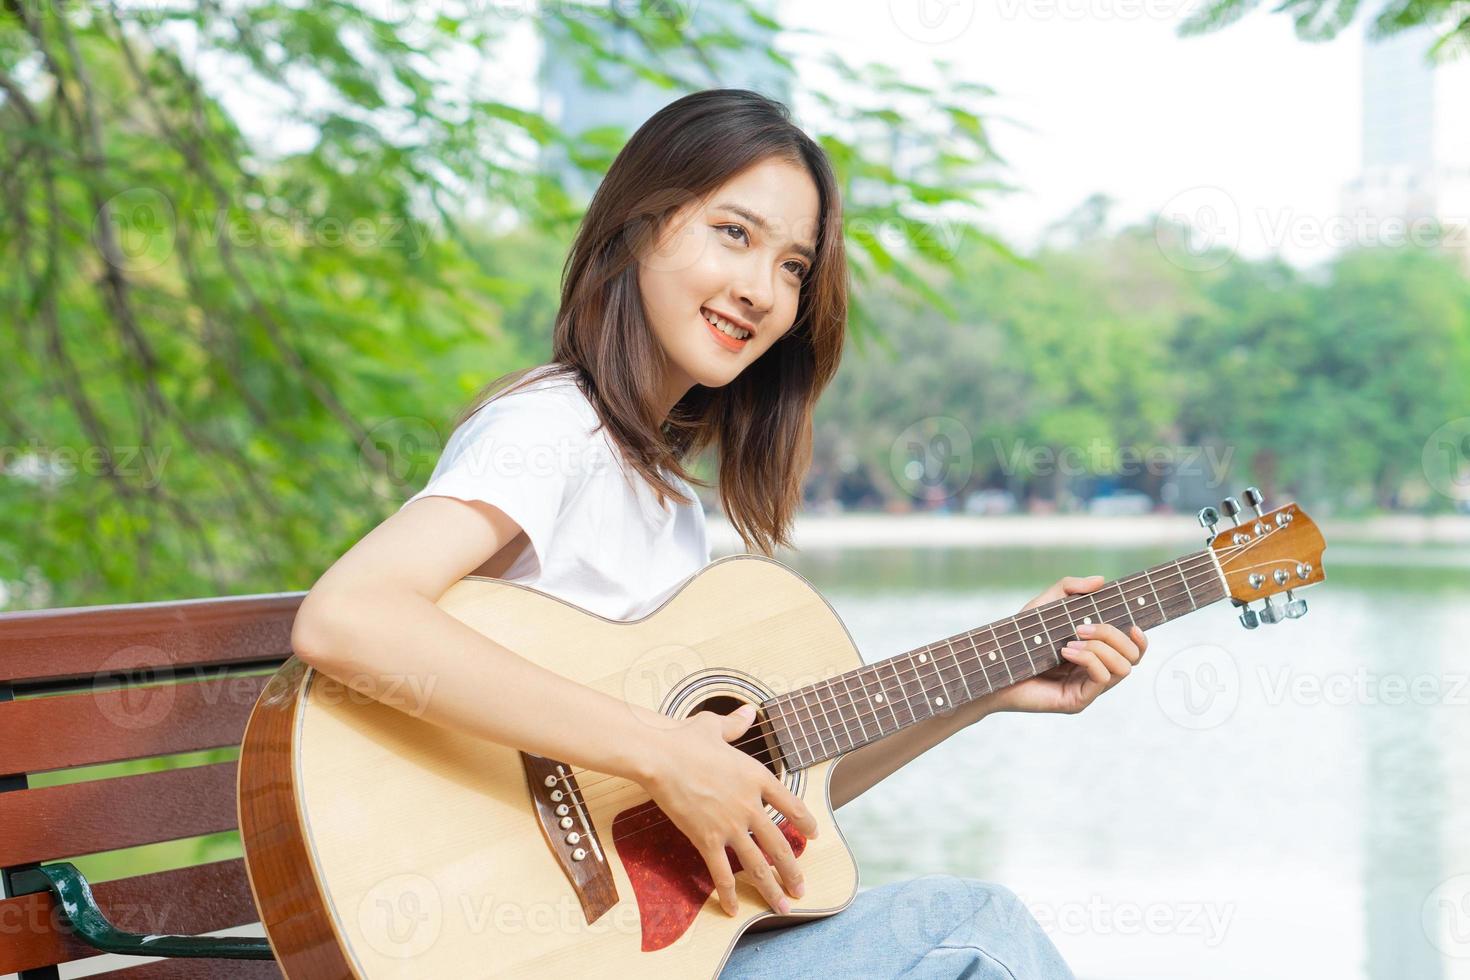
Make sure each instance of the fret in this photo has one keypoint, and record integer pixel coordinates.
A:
(980, 659)
(959, 668)
(875, 704)
(823, 729)
(887, 697)
(903, 691)
(928, 668)
(853, 709)
(1179, 570)
(921, 674)
(1000, 650)
(1021, 640)
(788, 713)
(1157, 601)
(841, 716)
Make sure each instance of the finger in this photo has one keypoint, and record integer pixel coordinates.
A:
(778, 851)
(720, 873)
(1078, 584)
(762, 875)
(736, 722)
(1116, 663)
(1139, 639)
(779, 796)
(1088, 660)
(1113, 637)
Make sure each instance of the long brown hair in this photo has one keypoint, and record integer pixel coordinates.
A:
(761, 422)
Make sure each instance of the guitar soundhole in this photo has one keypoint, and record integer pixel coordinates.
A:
(758, 742)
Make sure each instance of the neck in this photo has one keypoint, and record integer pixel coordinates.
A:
(845, 712)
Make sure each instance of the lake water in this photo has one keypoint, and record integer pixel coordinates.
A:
(1285, 802)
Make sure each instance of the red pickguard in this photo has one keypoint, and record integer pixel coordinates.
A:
(670, 880)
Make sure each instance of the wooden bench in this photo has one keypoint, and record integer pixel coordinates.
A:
(103, 684)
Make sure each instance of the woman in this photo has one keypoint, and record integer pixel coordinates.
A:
(704, 304)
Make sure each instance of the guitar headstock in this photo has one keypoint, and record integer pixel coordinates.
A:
(1265, 555)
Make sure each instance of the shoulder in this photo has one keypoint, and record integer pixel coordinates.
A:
(543, 405)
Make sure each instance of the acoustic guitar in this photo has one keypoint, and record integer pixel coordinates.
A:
(380, 845)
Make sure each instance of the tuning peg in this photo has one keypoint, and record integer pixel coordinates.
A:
(1272, 613)
(1295, 608)
(1231, 507)
(1254, 498)
(1208, 518)
(1248, 618)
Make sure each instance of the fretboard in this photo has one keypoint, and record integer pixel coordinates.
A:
(845, 712)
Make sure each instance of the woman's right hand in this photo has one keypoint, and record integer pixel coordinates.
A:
(715, 795)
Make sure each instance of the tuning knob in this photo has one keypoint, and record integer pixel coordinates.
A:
(1254, 498)
(1208, 518)
(1295, 608)
(1272, 613)
(1231, 507)
(1248, 618)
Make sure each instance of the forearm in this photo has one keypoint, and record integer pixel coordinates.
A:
(407, 652)
(861, 770)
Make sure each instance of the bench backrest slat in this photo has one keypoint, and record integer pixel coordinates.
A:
(56, 822)
(78, 644)
(41, 734)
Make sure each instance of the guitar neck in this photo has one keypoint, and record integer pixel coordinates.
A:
(842, 713)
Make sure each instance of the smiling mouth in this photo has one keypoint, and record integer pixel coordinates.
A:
(724, 339)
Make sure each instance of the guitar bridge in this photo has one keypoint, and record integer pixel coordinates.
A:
(567, 826)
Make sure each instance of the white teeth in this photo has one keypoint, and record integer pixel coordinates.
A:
(725, 326)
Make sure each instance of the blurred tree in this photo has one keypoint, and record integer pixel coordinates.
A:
(1322, 20)
(221, 368)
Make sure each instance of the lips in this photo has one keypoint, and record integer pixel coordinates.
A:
(723, 339)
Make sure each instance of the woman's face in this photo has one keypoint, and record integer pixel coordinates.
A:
(739, 255)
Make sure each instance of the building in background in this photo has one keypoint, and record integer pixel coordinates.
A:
(1416, 144)
(577, 105)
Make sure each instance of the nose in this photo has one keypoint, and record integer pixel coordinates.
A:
(755, 291)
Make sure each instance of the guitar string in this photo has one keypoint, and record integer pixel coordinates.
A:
(1113, 604)
(934, 667)
(779, 816)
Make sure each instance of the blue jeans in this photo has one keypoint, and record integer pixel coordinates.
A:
(930, 927)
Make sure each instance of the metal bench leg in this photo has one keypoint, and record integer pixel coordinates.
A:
(74, 896)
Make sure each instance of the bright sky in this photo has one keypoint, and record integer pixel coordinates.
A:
(1247, 118)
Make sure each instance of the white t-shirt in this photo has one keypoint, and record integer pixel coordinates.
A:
(599, 538)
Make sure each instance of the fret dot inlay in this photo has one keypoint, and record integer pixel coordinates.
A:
(923, 657)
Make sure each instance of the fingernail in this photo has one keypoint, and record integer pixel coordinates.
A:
(1085, 629)
(784, 906)
(800, 889)
(1075, 647)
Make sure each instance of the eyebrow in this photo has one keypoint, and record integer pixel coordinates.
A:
(805, 251)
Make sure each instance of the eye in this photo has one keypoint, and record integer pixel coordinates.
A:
(800, 269)
(736, 227)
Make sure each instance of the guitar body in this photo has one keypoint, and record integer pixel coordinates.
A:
(383, 846)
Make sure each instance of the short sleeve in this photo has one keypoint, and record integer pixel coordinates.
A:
(526, 452)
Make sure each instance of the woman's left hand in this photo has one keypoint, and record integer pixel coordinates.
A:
(1102, 657)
